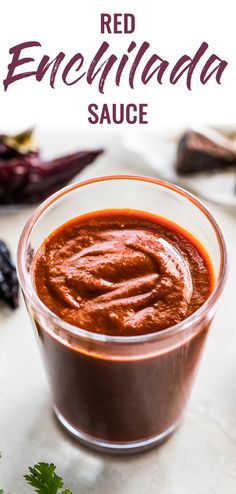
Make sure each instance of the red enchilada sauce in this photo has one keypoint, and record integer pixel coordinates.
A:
(121, 273)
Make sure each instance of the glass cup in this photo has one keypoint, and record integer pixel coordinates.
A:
(121, 394)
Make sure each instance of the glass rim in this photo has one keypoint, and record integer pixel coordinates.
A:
(92, 336)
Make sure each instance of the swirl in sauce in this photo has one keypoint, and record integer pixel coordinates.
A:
(121, 273)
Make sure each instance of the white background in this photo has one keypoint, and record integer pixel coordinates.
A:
(172, 27)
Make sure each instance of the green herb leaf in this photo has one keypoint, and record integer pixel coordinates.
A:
(45, 480)
(2, 492)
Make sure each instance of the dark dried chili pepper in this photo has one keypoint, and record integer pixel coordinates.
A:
(9, 286)
(26, 179)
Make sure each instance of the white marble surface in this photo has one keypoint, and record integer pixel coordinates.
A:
(200, 458)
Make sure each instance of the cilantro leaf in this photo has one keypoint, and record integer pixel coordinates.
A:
(2, 491)
(45, 480)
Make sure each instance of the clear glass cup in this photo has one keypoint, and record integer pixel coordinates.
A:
(121, 394)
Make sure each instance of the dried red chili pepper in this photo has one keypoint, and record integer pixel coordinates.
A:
(13, 146)
(26, 179)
